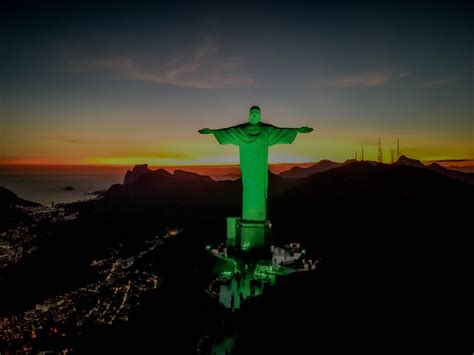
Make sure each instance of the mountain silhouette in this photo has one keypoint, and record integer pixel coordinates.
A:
(325, 165)
(404, 160)
(319, 167)
(135, 173)
(455, 174)
(299, 172)
(10, 214)
(186, 175)
(8, 199)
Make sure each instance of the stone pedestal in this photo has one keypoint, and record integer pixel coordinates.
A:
(247, 235)
(233, 227)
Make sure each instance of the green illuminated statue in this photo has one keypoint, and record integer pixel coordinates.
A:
(253, 139)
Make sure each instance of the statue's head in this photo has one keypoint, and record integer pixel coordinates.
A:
(254, 115)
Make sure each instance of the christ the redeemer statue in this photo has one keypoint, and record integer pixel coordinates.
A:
(253, 139)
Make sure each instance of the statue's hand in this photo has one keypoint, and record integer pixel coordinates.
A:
(205, 131)
(304, 129)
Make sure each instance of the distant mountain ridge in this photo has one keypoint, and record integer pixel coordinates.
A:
(319, 167)
(135, 173)
(296, 172)
(161, 187)
(299, 172)
(454, 174)
(325, 165)
(186, 175)
(404, 160)
(142, 169)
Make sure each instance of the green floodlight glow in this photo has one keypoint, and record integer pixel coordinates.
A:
(208, 247)
(264, 268)
(262, 272)
(260, 276)
(254, 138)
(303, 251)
(246, 246)
(234, 263)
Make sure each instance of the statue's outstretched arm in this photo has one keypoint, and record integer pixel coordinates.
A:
(284, 135)
(206, 131)
(297, 129)
(209, 130)
(304, 129)
(229, 135)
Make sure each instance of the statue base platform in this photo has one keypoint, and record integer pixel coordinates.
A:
(246, 235)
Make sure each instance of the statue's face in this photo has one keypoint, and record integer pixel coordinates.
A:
(254, 116)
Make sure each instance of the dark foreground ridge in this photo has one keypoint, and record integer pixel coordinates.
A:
(391, 238)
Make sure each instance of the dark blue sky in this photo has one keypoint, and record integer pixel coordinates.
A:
(128, 82)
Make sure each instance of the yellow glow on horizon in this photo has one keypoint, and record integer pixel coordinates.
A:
(159, 149)
(216, 160)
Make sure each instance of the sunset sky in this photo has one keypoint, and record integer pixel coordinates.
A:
(123, 83)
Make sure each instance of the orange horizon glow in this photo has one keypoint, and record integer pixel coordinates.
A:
(203, 152)
(208, 168)
(46, 164)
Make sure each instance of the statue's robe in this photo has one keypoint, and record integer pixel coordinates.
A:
(253, 141)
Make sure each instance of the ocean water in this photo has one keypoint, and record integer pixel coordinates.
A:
(45, 184)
